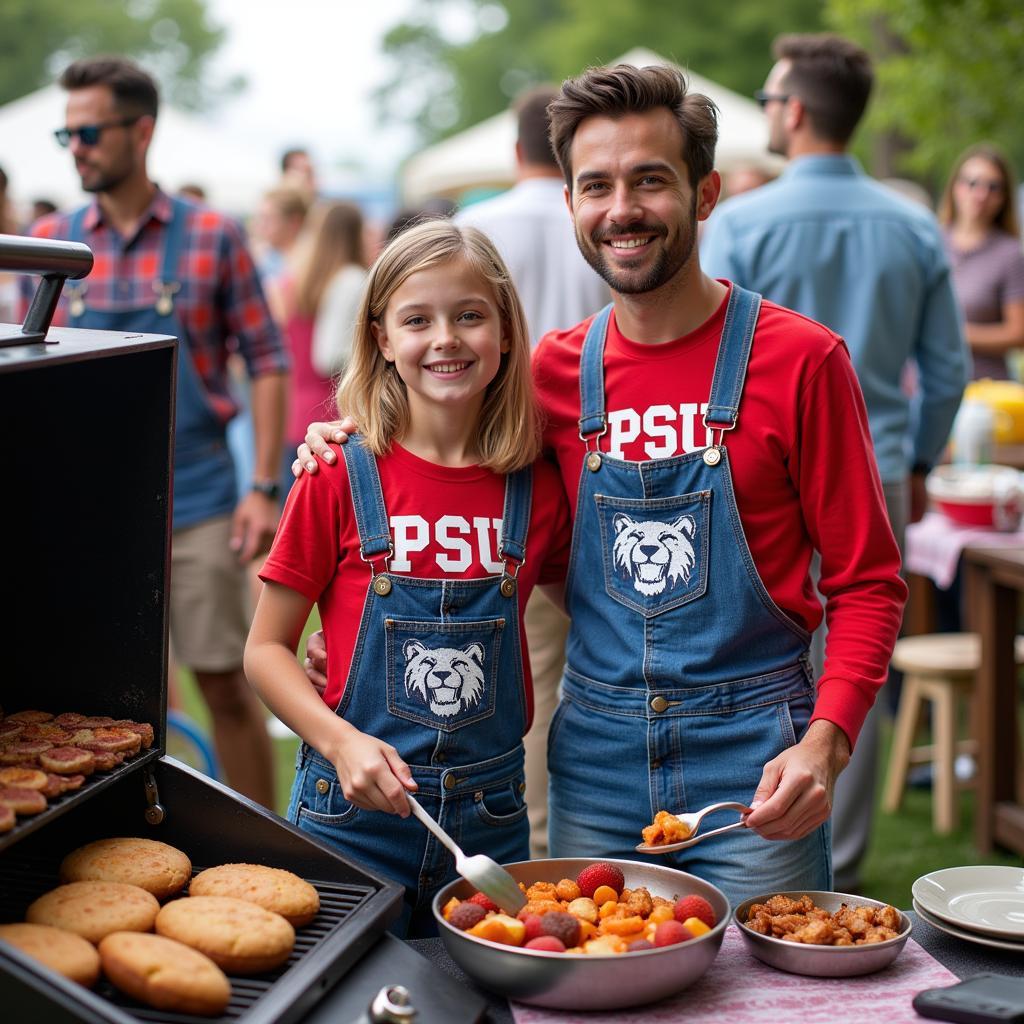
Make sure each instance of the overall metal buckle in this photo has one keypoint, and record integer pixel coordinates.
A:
(509, 579)
(713, 453)
(380, 582)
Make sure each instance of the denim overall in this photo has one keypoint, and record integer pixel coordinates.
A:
(682, 677)
(437, 672)
(204, 481)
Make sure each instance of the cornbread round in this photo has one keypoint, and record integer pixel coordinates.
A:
(30, 717)
(7, 818)
(95, 909)
(23, 778)
(273, 889)
(22, 800)
(156, 867)
(164, 973)
(61, 951)
(237, 936)
(68, 761)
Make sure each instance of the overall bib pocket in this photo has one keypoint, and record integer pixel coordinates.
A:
(443, 675)
(655, 551)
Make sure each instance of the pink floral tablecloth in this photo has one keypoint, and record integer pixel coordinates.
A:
(741, 988)
(934, 546)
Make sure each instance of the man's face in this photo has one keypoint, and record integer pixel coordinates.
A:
(117, 154)
(634, 210)
(775, 110)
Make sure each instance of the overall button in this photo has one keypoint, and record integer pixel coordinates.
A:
(594, 462)
(712, 456)
(450, 782)
(659, 704)
(322, 785)
(522, 787)
(440, 757)
(507, 587)
(382, 586)
(656, 763)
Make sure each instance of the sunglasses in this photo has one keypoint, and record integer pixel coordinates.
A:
(764, 98)
(89, 134)
(989, 186)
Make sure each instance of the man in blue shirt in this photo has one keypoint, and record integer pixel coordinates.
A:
(828, 241)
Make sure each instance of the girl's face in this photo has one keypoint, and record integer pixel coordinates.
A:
(444, 333)
(979, 190)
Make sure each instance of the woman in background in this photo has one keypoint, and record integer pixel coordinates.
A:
(320, 301)
(978, 211)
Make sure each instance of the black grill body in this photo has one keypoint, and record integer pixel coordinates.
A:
(85, 522)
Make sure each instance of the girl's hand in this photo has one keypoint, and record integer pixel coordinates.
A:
(373, 775)
(317, 442)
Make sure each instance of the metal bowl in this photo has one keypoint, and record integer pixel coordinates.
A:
(821, 961)
(580, 981)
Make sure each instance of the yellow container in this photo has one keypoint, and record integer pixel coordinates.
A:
(1006, 399)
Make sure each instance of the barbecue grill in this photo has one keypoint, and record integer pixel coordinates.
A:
(86, 534)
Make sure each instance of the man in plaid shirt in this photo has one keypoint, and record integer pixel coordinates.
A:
(166, 266)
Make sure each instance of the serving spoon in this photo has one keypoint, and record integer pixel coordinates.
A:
(483, 873)
(692, 822)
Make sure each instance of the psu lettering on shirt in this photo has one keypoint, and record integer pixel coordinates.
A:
(455, 534)
(666, 430)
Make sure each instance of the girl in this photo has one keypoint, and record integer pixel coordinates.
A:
(420, 545)
(978, 212)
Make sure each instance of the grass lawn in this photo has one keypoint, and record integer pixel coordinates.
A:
(903, 846)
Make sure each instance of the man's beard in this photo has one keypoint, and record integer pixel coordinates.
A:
(669, 262)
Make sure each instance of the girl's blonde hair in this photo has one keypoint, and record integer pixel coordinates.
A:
(1006, 217)
(336, 242)
(373, 393)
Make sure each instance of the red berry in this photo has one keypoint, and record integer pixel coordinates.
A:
(483, 901)
(534, 927)
(637, 944)
(668, 933)
(549, 943)
(466, 914)
(601, 873)
(695, 906)
(562, 926)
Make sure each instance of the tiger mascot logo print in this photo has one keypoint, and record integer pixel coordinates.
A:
(446, 679)
(655, 555)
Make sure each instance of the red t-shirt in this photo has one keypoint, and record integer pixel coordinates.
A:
(444, 524)
(803, 472)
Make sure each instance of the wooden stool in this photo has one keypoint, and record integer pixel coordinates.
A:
(940, 668)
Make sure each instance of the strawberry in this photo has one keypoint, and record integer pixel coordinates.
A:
(533, 926)
(481, 900)
(668, 933)
(694, 906)
(601, 873)
(548, 943)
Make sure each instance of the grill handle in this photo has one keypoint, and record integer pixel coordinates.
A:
(54, 261)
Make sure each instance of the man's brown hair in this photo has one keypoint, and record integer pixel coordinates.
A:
(534, 125)
(831, 76)
(623, 89)
(135, 92)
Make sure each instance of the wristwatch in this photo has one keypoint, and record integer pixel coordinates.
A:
(268, 488)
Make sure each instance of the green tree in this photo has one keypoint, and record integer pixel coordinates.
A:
(172, 38)
(449, 78)
(950, 73)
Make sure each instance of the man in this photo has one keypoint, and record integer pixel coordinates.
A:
(696, 429)
(558, 289)
(166, 266)
(297, 171)
(828, 241)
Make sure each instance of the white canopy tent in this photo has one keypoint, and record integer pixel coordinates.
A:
(186, 148)
(484, 156)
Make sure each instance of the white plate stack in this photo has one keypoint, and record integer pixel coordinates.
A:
(983, 904)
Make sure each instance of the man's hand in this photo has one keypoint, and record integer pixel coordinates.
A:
(316, 446)
(253, 525)
(315, 662)
(794, 795)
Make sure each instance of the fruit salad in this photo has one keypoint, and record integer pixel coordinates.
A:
(666, 828)
(593, 913)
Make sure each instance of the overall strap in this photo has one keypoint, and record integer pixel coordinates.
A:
(367, 500)
(174, 241)
(515, 519)
(592, 409)
(77, 224)
(733, 356)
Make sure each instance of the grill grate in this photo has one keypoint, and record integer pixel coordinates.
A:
(23, 880)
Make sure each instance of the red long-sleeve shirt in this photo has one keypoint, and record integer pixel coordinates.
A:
(803, 472)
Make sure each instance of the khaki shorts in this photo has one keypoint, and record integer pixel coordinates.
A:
(209, 620)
